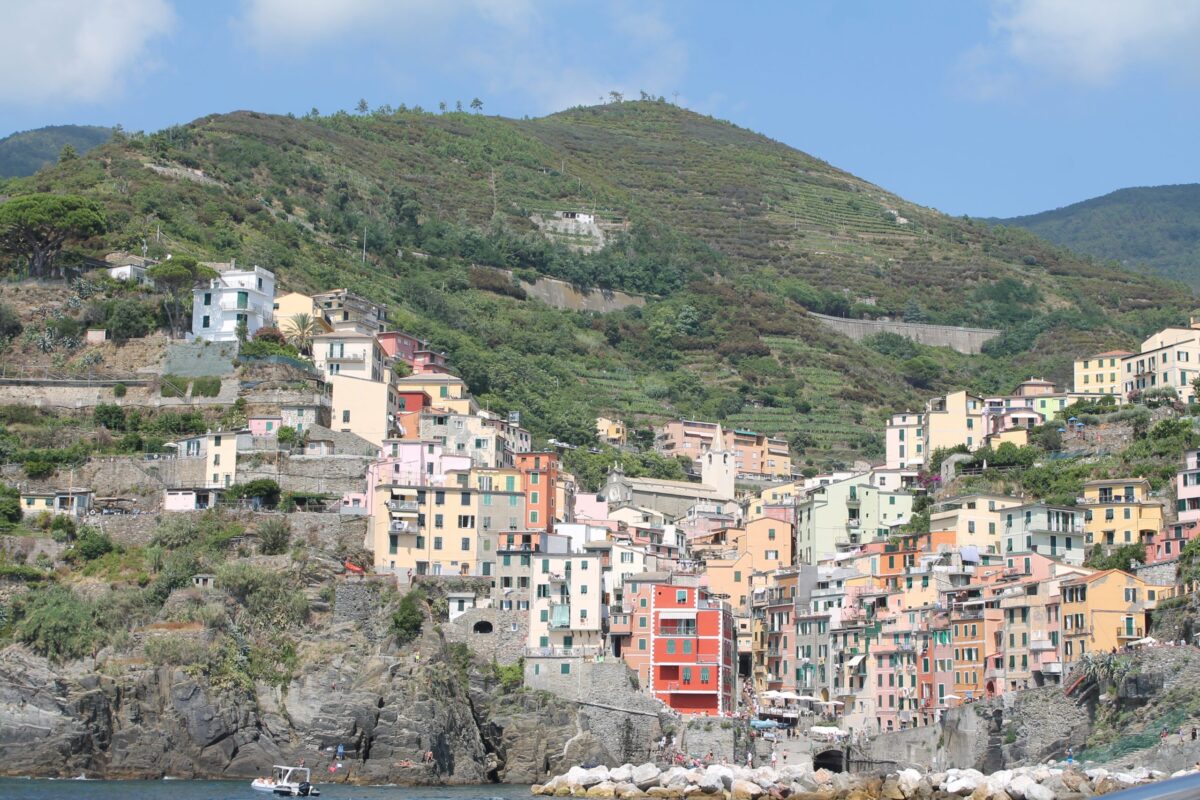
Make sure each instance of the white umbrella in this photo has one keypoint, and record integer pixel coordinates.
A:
(806, 697)
(1147, 640)
(951, 697)
(771, 694)
(788, 696)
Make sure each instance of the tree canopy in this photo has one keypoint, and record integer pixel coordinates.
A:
(175, 279)
(38, 226)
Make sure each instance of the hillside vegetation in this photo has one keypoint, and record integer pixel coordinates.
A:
(1154, 229)
(731, 236)
(25, 152)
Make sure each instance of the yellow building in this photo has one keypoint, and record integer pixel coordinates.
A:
(611, 431)
(1101, 373)
(364, 408)
(1120, 512)
(293, 303)
(954, 419)
(445, 391)
(731, 577)
(221, 452)
(1104, 610)
(431, 530)
(1168, 359)
(975, 520)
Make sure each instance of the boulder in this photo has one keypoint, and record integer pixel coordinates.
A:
(645, 776)
(603, 789)
(907, 781)
(664, 792)
(1019, 784)
(711, 783)
(722, 773)
(628, 791)
(961, 784)
(745, 790)
(621, 774)
(670, 775)
(1037, 791)
(822, 776)
(1096, 774)
(891, 790)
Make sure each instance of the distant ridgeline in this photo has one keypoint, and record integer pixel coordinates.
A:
(26, 152)
(964, 340)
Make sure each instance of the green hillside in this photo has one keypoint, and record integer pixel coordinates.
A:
(731, 235)
(1153, 228)
(26, 152)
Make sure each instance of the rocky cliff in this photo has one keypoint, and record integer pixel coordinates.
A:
(123, 718)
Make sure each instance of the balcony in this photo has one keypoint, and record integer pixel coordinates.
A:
(347, 358)
(1129, 633)
(559, 577)
(403, 527)
(853, 522)
(1037, 645)
(1052, 668)
(403, 506)
(994, 673)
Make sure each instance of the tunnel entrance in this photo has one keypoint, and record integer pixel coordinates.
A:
(832, 760)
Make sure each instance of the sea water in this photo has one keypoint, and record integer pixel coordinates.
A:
(39, 789)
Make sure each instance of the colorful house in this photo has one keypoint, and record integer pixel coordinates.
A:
(1104, 611)
(1120, 512)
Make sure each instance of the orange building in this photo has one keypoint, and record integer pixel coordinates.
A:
(540, 472)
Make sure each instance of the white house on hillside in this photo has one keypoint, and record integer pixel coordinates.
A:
(234, 296)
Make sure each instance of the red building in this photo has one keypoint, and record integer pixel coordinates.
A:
(692, 650)
(540, 472)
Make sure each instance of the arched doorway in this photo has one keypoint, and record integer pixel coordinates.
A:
(482, 626)
(832, 760)
(990, 688)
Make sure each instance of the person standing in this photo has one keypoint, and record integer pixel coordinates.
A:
(750, 759)
(774, 759)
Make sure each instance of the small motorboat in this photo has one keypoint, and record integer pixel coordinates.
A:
(287, 782)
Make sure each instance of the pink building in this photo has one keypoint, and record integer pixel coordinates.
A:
(264, 426)
(589, 507)
(1166, 545)
(413, 351)
(411, 463)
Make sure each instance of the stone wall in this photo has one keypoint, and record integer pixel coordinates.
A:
(326, 531)
(725, 738)
(334, 475)
(561, 294)
(120, 476)
(1161, 574)
(504, 644)
(964, 340)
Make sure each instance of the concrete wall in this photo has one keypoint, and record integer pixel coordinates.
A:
(964, 340)
(561, 294)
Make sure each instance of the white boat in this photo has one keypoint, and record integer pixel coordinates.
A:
(287, 782)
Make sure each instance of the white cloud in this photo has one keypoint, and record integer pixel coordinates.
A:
(272, 25)
(59, 51)
(1089, 42)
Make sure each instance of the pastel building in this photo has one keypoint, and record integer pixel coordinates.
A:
(1101, 373)
(1166, 544)
(234, 298)
(363, 407)
(446, 392)
(611, 431)
(350, 353)
(346, 311)
(417, 353)
(1120, 512)
(972, 520)
(1054, 531)
(1105, 610)
(849, 512)
(1168, 359)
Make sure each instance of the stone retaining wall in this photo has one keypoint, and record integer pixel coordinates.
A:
(964, 340)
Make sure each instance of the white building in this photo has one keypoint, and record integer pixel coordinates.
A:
(233, 297)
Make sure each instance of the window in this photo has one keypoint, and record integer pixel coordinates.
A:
(565, 667)
(704, 675)
(670, 647)
(533, 478)
(439, 498)
(681, 596)
(437, 543)
(642, 643)
(438, 521)
(687, 675)
(465, 499)
(533, 497)
(466, 520)
(466, 543)
(345, 416)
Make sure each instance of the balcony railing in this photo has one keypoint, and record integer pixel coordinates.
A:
(403, 527)
(1041, 644)
(404, 506)
(564, 652)
(348, 358)
(1129, 633)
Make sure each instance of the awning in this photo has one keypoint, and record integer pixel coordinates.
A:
(854, 662)
(681, 614)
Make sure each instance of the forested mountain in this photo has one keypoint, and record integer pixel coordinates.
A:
(730, 234)
(26, 152)
(1154, 228)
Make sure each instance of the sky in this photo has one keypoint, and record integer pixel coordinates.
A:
(981, 107)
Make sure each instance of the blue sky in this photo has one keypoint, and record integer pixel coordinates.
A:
(986, 107)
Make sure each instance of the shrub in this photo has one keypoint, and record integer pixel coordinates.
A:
(408, 619)
(10, 322)
(56, 623)
(265, 490)
(175, 651)
(37, 469)
(267, 598)
(1119, 558)
(274, 536)
(286, 435)
(173, 386)
(109, 416)
(91, 544)
(10, 505)
(119, 390)
(128, 319)
(208, 386)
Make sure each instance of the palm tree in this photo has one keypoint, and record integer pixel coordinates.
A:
(300, 330)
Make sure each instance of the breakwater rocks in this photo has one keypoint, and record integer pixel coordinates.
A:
(803, 783)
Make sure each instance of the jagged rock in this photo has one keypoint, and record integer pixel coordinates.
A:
(891, 790)
(645, 776)
(745, 790)
(628, 791)
(1096, 774)
(664, 792)
(711, 783)
(908, 780)
(722, 773)
(961, 784)
(1037, 791)
(822, 776)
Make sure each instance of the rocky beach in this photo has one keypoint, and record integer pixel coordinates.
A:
(1044, 782)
